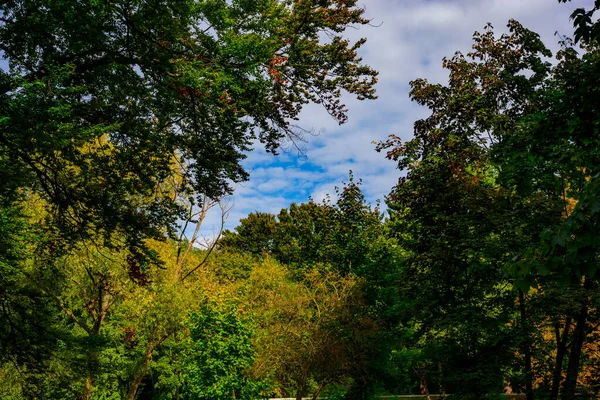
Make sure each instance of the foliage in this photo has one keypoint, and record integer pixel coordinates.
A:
(459, 225)
(254, 235)
(114, 118)
(586, 29)
(221, 355)
(498, 190)
(337, 234)
(103, 99)
(313, 332)
(119, 118)
(332, 241)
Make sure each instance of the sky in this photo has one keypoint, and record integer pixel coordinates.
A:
(407, 40)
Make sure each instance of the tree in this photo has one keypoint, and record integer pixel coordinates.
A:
(460, 225)
(586, 30)
(30, 323)
(569, 164)
(115, 116)
(221, 356)
(255, 234)
(509, 156)
(341, 239)
(94, 322)
(102, 99)
(338, 233)
(313, 332)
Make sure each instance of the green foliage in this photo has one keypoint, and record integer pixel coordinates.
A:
(30, 328)
(458, 224)
(254, 235)
(103, 99)
(332, 241)
(114, 116)
(338, 235)
(500, 191)
(586, 30)
(565, 168)
(314, 332)
(221, 355)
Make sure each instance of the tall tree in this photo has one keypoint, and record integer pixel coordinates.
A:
(115, 114)
(564, 136)
(509, 156)
(102, 98)
(458, 223)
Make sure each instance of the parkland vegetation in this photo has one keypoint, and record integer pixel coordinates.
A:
(124, 123)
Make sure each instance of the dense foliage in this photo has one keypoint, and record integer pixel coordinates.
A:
(498, 194)
(123, 123)
(103, 99)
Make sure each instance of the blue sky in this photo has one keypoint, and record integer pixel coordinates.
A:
(408, 40)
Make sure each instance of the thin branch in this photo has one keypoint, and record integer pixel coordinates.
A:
(225, 206)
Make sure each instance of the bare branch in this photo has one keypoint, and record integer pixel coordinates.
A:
(225, 205)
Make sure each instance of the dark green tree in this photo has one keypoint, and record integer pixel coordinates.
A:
(103, 101)
(255, 234)
(459, 224)
(586, 29)
(500, 189)
(338, 234)
(563, 134)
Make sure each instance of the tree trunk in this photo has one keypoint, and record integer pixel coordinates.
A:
(570, 385)
(87, 389)
(424, 388)
(102, 305)
(321, 387)
(137, 380)
(526, 347)
(300, 392)
(97, 311)
(441, 386)
(561, 350)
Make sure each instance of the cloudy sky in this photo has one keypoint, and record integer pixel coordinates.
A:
(408, 40)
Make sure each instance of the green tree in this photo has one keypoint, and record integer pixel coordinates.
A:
(345, 238)
(501, 178)
(336, 234)
(586, 29)
(459, 224)
(113, 117)
(94, 323)
(221, 355)
(563, 134)
(255, 234)
(101, 99)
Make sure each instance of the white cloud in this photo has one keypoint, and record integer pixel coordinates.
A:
(273, 185)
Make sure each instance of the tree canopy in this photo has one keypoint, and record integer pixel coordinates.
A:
(123, 123)
(104, 101)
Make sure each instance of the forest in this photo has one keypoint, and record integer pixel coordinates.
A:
(124, 123)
